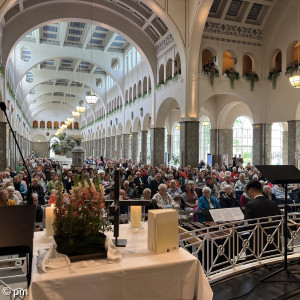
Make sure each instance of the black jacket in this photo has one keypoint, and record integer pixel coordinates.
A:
(261, 207)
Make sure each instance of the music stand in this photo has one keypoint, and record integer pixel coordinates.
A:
(284, 175)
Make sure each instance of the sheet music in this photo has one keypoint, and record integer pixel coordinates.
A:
(227, 214)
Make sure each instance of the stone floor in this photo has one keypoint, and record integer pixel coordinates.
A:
(248, 287)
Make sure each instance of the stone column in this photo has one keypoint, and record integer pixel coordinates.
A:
(134, 146)
(144, 145)
(2, 146)
(169, 145)
(157, 146)
(103, 147)
(189, 143)
(285, 138)
(125, 143)
(11, 160)
(99, 147)
(293, 141)
(262, 149)
(118, 146)
(221, 141)
(113, 146)
(107, 147)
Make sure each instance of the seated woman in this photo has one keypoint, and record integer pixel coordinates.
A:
(206, 202)
(4, 201)
(174, 190)
(267, 192)
(190, 200)
(239, 186)
(107, 183)
(163, 199)
(244, 199)
(14, 195)
(227, 198)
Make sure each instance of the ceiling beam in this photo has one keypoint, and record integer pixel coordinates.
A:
(109, 42)
(63, 29)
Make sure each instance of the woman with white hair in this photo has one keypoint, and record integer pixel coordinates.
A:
(12, 195)
(239, 186)
(163, 199)
(206, 202)
(227, 198)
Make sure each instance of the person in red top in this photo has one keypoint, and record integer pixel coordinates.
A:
(234, 175)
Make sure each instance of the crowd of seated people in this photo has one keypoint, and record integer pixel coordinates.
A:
(183, 188)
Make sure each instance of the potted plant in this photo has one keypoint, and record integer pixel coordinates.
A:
(232, 74)
(80, 224)
(252, 77)
(273, 77)
(211, 72)
(62, 146)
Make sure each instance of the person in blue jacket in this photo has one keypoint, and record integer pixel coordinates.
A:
(206, 202)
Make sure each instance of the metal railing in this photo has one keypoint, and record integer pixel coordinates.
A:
(228, 246)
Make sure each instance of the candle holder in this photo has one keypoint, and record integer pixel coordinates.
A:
(48, 220)
(137, 217)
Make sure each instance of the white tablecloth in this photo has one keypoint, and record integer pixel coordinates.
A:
(140, 275)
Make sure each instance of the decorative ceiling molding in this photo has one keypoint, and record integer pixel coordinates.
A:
(165, 43)
(234, 31)
(230, 40)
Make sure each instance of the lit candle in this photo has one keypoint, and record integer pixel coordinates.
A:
(49, 220)
(136, 217)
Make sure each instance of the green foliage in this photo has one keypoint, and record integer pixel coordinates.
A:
(63, 146)
(252, 77)
(232, 74)
(211, 72)
(273, 77)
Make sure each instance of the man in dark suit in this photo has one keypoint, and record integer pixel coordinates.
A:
(260, 206)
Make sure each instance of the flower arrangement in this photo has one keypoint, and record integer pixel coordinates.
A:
(273, 77)
(80, 224)
(78, 139)
(232, 74)
(211, 72)
(252, 77)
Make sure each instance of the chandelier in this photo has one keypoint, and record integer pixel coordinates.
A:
(91, 98)
(75, 114)
(70, 120)
(80, 109)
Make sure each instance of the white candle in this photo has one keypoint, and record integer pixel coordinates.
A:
(135, 217)
(49, 220)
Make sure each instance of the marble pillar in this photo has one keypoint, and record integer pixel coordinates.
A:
(169, 145)
(293, 141)
(118, 146)
(113, 146)
(103, 147)
(157, 146)
(108, 147)
(144, 145)
(134, 145)
(189, 143)
(262, 148)
(221, 143)
(285, 139)
(2, 146)
(125, 142)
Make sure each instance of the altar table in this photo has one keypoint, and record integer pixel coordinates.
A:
(140, 275)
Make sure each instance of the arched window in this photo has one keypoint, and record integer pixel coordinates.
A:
(42, 124)
(204, 138)
(169, 74)
(49, 124)
(148, 146)
(76, 125)
(35, 124)
(161, 75)
(247, 64)
(56, 125)
(176, 141)
(145, 85)
(177, 64)
(208, 59)
(228, 61)
(277, 137)
(243, 138)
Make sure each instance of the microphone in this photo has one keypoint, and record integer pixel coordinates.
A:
(29, 190)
